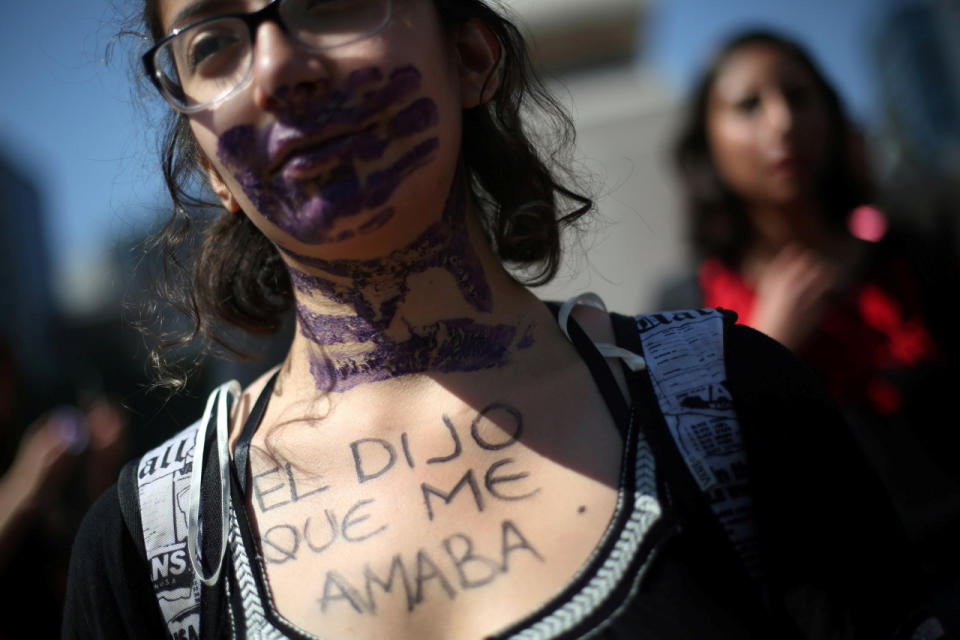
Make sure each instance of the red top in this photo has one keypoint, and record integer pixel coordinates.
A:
(869, 338)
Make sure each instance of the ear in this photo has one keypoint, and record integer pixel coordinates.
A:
(218, 185)
(478, 59)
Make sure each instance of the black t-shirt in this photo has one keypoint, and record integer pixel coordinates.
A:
(834, 559)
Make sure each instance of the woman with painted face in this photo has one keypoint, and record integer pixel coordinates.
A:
(441, 454)
(779, 200)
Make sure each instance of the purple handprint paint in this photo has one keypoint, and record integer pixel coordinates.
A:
(301, 171)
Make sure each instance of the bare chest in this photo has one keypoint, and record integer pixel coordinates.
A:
(451, 530)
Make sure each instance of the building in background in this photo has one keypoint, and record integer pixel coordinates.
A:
(27, 321)
(624, 116)
(54, 354)
(916, 56)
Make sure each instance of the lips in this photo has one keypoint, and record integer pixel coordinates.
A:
(785, 165)
(305, 159)
(297, 157)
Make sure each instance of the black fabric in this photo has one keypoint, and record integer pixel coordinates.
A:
(241, 452)
(211, 499)
(833, 555)
(109, 593)
(211, 534)
(129, 497)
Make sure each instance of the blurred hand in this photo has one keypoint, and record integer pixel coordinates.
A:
(47, 451)
(107, 424)
(791, 295)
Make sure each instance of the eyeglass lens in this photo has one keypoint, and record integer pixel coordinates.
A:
(209, 60)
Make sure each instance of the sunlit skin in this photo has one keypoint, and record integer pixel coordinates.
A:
(769, 128)
(418, 362)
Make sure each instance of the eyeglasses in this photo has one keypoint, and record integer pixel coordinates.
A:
(204, 63)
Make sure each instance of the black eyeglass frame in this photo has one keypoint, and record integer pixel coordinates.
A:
(253, 20)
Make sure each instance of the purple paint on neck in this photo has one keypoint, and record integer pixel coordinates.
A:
(449, 346)
(326, 330)
(374, 290)
(300, 172)
(443, 245)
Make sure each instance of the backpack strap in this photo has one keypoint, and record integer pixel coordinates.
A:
(684, 354)
(680, 355)
(163, 485)
(159, 498)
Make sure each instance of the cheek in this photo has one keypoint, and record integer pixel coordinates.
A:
(218, 177)
(736, 153)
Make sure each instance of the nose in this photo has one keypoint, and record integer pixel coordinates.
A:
(779, 113)
(285, 74)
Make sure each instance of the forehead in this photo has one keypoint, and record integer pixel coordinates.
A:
(177, 13)
(759, 64)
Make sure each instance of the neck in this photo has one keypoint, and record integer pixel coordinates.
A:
(443, 304)
(776, 226)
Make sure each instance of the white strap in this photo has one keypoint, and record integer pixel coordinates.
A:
(607, 350)
(219, 395)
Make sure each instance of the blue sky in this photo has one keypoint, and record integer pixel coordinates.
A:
(73, 123)
(69, 121)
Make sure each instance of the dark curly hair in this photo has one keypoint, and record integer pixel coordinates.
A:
(231, 273)
(718, 223)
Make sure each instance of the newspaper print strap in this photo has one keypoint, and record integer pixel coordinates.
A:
(164, 478)
(684, 354)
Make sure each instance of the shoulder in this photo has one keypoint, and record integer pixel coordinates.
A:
(101, 526)
(761, 373)
(757, 363)
(779, 399)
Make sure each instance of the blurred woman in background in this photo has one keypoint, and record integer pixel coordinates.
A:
(785, 233)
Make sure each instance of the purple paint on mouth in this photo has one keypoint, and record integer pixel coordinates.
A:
(310, 215)
(365, 145)
(374, 290)
(303, 196)
(345, 107)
